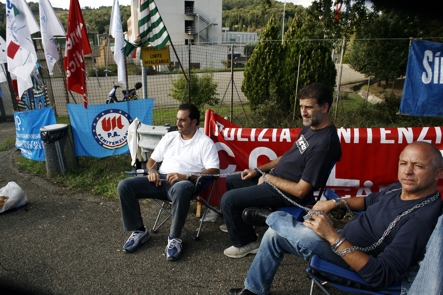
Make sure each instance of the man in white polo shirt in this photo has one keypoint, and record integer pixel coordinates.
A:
(182, 154)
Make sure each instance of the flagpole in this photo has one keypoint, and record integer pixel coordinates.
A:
(175, 52)
(176, 55)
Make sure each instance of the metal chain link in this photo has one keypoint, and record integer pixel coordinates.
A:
(389, 228)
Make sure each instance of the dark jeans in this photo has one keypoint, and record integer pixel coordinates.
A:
(242, 194)
(132, 189)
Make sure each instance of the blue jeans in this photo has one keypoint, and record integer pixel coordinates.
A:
(429, 279)
(285, 235)
(130, 190)
(242, 194)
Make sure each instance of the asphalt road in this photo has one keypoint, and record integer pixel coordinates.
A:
(66, 243)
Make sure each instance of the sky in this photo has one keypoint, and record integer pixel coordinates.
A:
(97, 3)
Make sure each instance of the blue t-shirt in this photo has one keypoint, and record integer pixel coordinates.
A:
(406, 243)
(311, 157)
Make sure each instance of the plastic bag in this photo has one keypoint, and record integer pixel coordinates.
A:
(11, 196)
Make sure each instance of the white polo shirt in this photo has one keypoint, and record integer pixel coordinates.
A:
(185, 156)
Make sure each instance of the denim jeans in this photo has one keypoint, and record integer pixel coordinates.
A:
(285, 235)
(242, 194)
(429, 279)
(130, 190)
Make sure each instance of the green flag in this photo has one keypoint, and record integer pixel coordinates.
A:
(152, 29)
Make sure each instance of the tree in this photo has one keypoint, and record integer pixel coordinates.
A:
(203, 90)
(381, 44)
(262, 71)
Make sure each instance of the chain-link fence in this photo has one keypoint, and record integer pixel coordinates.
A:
(224, 62)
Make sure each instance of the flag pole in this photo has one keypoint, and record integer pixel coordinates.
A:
(173, 48)
(178, 59)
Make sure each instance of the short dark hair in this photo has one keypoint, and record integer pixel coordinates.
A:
(319, 91)
(194, 112)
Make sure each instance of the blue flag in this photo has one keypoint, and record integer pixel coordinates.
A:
(102, 130)
(423, 89)
(27, 126)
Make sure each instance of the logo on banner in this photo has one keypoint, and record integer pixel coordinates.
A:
(110, 128)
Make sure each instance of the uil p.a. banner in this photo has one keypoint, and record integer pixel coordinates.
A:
(102, 130)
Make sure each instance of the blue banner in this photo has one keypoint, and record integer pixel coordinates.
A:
(423, 89)
(27, 130)
(102, 130)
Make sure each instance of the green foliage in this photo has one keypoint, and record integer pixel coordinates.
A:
(381, 44)
(249, 48)
(271, 72)
(263, 71)
(253, 15)
(203, 90)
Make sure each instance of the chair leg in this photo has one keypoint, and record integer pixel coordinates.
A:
(162, 209)
(319, 285)
(169, 216)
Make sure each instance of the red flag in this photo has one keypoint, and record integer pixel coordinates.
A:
(77, 45)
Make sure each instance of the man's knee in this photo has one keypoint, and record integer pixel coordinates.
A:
(226, 200)
(183, 190)
(123, 186)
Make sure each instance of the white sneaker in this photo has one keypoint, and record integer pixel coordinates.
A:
(224, 228)
(174, 249)
(136, 239)
(239, 252)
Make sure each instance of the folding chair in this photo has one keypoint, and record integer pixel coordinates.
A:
(323, 273)
(208, 183)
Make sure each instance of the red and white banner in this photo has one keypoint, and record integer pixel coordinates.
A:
(77, 45)
(368, 164)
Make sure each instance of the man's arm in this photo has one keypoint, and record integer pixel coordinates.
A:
(251, 173)
(324, 228)
(357, 204)
(207, 171)
(298, 189)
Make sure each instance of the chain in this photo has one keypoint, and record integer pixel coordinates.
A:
(390, 227)
(311, 211)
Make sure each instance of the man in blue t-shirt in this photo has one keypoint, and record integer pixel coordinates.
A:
(297, 173)
(410, 208)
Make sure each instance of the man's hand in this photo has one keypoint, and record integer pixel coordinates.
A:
(175, 177)
(248, 174)
(324, 206)
(321, 224)
(154, 177)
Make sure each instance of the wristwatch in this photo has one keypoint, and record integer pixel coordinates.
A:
(337, 202)
(258, 171)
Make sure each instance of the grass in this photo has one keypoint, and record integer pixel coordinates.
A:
(8, 144)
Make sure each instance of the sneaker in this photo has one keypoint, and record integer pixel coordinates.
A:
(135, 241)
(173, 249)
(224, 228)
(239, 252)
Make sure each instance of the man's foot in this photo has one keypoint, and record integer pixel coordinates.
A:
(223, 228)
(240, 291)
(239, 252)
(255, 216)
(174, 249)
(136, 239)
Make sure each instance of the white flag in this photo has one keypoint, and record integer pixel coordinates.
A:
(3, 58)
(20, 50)
(116, 31)
(50, 26)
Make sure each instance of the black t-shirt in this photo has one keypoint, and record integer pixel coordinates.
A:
(311, 157)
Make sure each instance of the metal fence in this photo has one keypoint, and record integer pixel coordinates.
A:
(159, 79)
